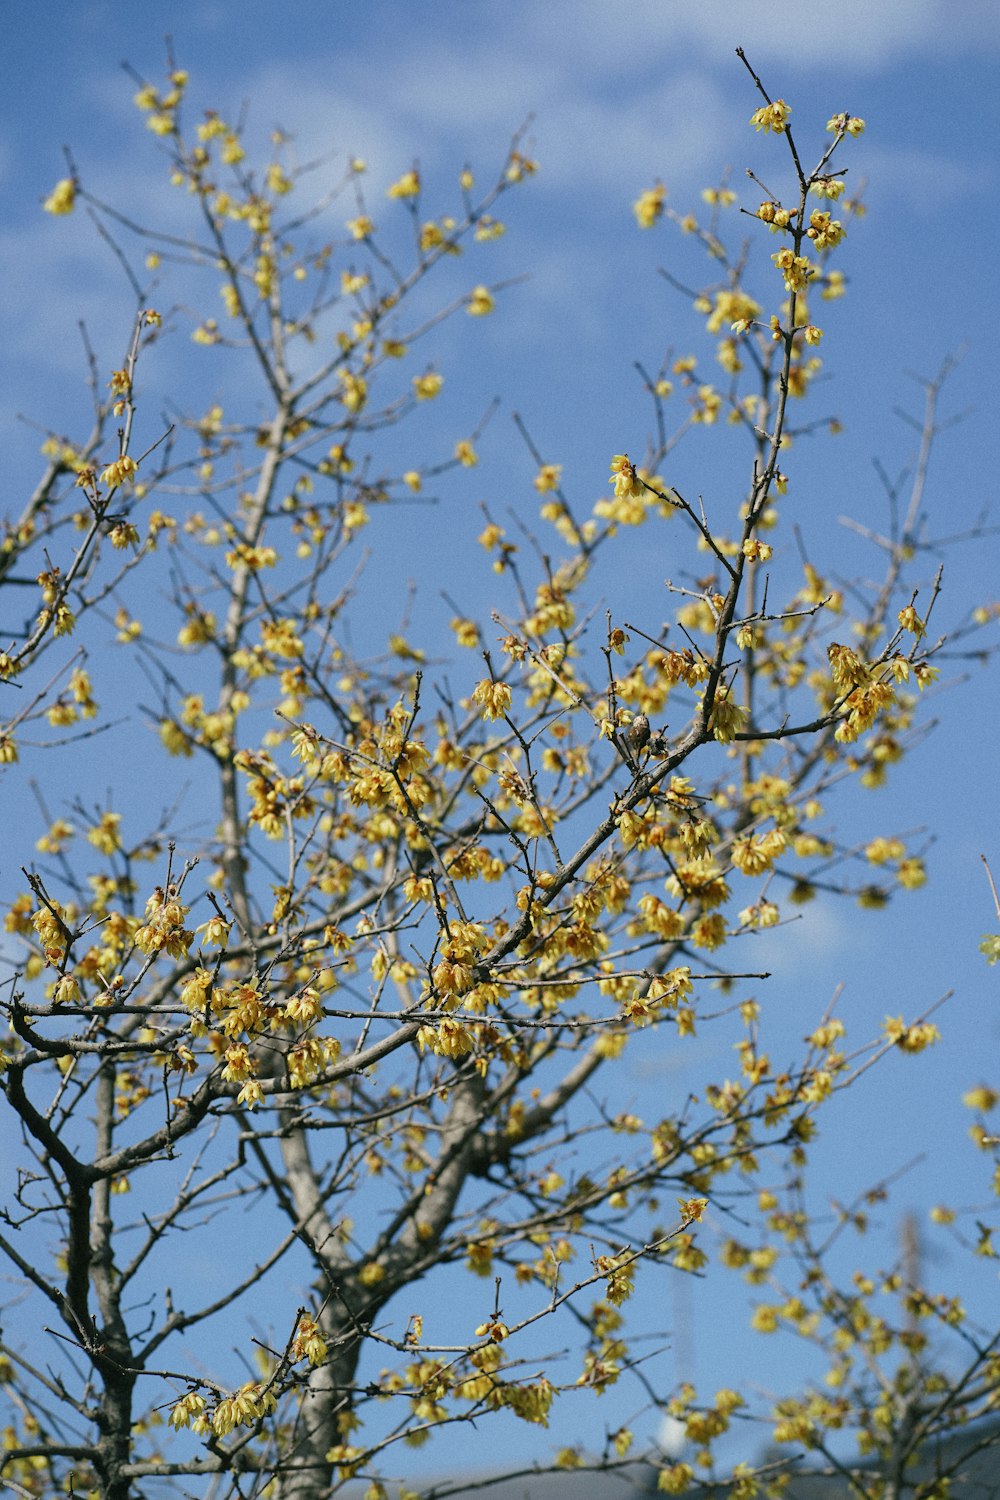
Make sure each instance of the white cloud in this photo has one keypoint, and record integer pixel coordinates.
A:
(905, 173)
(44, 327)
(811, 943)
(847, 34)
(621, 95)
(584, 135)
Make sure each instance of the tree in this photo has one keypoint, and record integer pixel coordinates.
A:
(438, 904)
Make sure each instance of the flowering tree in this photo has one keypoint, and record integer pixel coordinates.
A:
(383, 1002)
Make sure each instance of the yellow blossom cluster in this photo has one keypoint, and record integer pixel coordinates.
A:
(163, 929)
(649, 206)
(771, 117)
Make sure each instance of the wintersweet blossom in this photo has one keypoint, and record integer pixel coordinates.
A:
(547, 478)
(62, 198)
(122, 471)
(480, 302)
(494, 698)
(845, 124)
(624, 477)
(427, 386)
(407, 186)
(648, 207)
(772, 117)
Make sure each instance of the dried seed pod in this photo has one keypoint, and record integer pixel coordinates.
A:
(637, 734)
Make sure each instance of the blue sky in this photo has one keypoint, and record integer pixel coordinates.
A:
(617, 96)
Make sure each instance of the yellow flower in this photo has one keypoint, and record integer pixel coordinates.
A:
(547, 478)
(232, 152)
(723, 197)
(67, 990)
(480, 302)
(568, 1458)
(909, 620)
(674, 1479)
(648, 207)
(796, 269)
(909, 1038)
(251, 1093)
(727, 719)
(493, 698)
(431, 236)
(104, 835)
(216, 931)
(122, 471)
(309, 1342)
(62, 197)
(191, 1406)
(981, 1098)
(765, 1319)
(771, 117)
(624, 477)
(755, 853)
(407, 186)
(835, 285)
(426, 387)
(845, 124)
(489, 229)
(355, 390)
(707, 405)
(277, 180)
(772, 213)
(519, 167)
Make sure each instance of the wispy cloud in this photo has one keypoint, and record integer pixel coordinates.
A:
(851, 34)
(585, 136)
